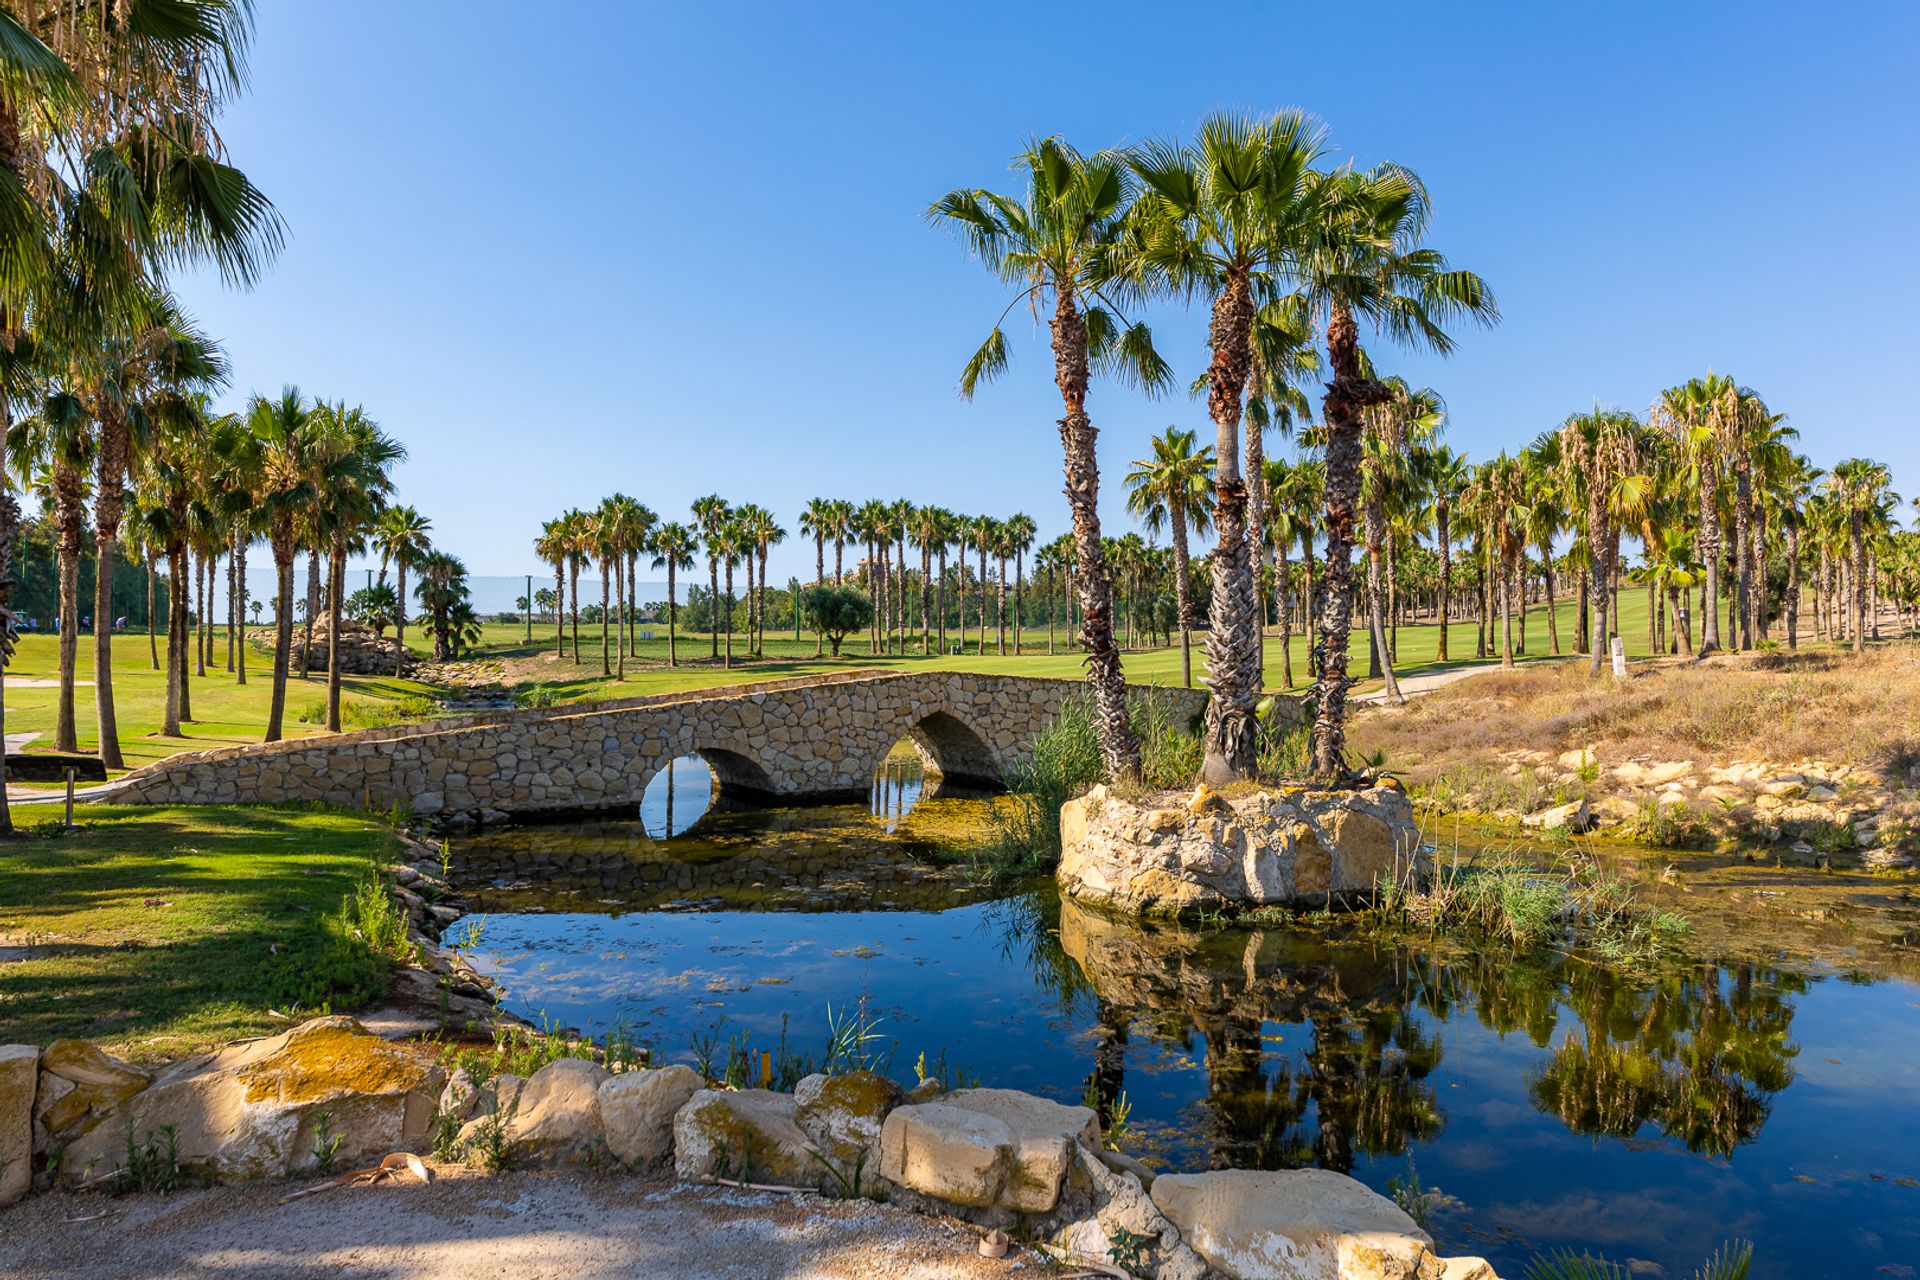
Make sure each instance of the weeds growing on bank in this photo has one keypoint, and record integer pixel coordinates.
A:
(1507, 898)
(854, 1043)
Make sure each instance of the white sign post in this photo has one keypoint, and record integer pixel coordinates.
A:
(1619, 658)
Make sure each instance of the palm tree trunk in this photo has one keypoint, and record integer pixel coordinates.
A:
(201, 574)
(926, 598)
(728, 623)
(1019, 596)
(713, 607)
(1857, 576)
(400, 616)
(233, 594)
(1442, 519)
(1256, 478)
(983, 599)
(943, 600)
(66, 492)
(573, 611)
(673, 615)
(178, 559)
(240, 606)
(1233, 638)
(108, 502)
(1051, 597)
(1376, 599)
(1000, 609)
(1710, 557)
(1182, 587)
(9, 525)
(1553, 604)
(1506, 610)
(1792, 533)
(1283, 596)
(336, 592)
(820, 579)
(1119, 751)
(620, 621)
(283, 553)
(606, 586)
(153, 644)
(313, 607)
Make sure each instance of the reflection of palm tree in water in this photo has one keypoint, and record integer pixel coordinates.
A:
(1696, 1060)
(1109, 1058)
(1697, 1053)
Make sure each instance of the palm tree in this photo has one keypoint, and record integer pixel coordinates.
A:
(1021, 531)
(355, 458)
(727, 545)
(673, 546)
(1175, 488)
(928, 529)
(634, 523)
(284, 427)
(1362, 258)
(840, 527)
(1795, 484)
(58, 441)
(763, 532)
(709, 514)
(554, 546)
(1445, 474)
(984, 533)
(1602, 454)
(401, 535)
(899, 513)
(1220, 219)
(1860, 487)
(577, 531)
(603, 548)
(870, 524)
(1283, 356)
(1404, 420)
(1546, 520)
(1057, 244)
(817, 522)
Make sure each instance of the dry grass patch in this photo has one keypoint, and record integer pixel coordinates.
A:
(1775, 706)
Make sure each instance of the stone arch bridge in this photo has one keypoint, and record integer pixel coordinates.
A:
(814, 738)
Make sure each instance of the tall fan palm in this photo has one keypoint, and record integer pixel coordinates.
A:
(1020, 531)
(284, 427)
(1220, 220)
(983, 532)
(763, 533)
(1055, 245)
(58, 441)
(1859, 486)
(1283, 357)
(554, 546)
(1406, 419)
(673, 546)
(927, 528)
(355, 459)
(709, 514)
(1602, 454)
(402, 536)
(1363, 258)
(1444, 473)
(817, 522)
(1174, 488)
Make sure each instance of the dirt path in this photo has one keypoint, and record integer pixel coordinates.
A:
(467, 1226)
(1414, 685)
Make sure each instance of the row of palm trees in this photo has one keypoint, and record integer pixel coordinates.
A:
(111, 174)
(199, 487)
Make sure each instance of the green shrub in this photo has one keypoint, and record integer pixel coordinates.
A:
(1025, 838)
(374, 715)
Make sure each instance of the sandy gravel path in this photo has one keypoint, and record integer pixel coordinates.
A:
(467, 1226)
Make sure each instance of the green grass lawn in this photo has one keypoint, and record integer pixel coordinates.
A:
(225, 713)
(785, 657)
(163, 931)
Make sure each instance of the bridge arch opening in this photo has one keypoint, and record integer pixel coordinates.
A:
(692, 785)
(935, 754)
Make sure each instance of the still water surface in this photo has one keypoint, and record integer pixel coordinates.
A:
(1552, 1100)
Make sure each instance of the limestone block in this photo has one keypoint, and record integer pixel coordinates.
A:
(1304, 1224)
(252, 1110)
(19, 1078)
(986, 1148)
(842, 1115)
(637, 1110)
(748, 1133)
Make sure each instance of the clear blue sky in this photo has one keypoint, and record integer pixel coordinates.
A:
(673, 250)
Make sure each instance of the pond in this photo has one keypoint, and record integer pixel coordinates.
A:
(1767, 1088)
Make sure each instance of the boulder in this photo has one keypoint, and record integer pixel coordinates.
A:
(1282, 846)
(555, 1116)
(19, 1078)
(637, 1110)
(1468, 1269)
(1116, 1200)
(254, 1110)
(80, 1083)
(744, 1135)
(986, 1148)
(1302, 1224)
(842, 1115)
(1573, 816)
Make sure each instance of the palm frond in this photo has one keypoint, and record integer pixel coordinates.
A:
(986, 364)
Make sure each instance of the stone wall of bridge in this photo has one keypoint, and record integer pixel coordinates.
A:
(794, 738)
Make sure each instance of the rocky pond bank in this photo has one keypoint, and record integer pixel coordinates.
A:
(329, 1096)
